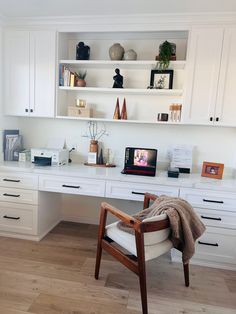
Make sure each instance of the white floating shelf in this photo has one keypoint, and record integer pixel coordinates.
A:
(136, 64)
(144, 91)
(117, 121)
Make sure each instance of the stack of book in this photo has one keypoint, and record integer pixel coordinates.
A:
(66, 77)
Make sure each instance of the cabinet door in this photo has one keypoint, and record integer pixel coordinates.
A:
(42, 73)
(203, 65)
(225, 106)
(16, 74)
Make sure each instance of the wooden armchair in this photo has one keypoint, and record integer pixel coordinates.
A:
(149, 241)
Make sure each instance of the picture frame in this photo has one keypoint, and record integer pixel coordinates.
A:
(161, 79)
(92, 158)
(212, 170)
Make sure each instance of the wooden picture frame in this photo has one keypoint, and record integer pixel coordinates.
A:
(212, 170)
(161, 79)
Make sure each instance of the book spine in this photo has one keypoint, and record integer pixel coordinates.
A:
(61, 74)
(72, 79)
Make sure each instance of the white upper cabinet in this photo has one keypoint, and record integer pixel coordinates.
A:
(203, 68)
(225, 105)
(16, 77)
(30, 58)
(211, 76)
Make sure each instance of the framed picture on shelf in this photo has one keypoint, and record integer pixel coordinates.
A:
(212, 170)
(162, 79)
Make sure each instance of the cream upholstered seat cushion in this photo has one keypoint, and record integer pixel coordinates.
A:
(155, 244)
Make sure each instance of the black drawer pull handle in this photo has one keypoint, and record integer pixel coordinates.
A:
(210, 244)
(138, 193)
(9, 217)
(212, 201)
(10, 180)
(71, 186)
(11, 195)
(211, 218)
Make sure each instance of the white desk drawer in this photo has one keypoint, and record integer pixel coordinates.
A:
(209, 199)
(216, 218)
(135, 191)
(71, 185)
(19, 196)
(217, 245)
(21, 181)
(19, 218)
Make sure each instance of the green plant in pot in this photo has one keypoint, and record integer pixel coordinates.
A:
(80, 79)
(165, 55)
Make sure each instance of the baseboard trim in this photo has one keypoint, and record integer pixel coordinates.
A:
(85, 220)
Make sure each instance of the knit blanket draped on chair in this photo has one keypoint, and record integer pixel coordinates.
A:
(185, 225)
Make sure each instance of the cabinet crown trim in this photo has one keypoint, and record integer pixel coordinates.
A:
(134, 21)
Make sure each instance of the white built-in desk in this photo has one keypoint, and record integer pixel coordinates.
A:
(29, 209)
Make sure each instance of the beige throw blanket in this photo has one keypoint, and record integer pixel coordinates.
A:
(185, 225)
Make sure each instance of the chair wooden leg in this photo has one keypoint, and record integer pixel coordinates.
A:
(101, 231)
(142, 271)
(186, 274)
(98, 260)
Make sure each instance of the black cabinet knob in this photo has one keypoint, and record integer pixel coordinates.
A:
(217, 119)
(31, 110)
(211, 118)
(26, 110)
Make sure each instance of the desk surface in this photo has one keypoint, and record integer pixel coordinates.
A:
(193, 180)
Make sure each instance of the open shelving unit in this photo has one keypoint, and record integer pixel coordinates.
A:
(143, 104)
(173, 92)
(133, 64)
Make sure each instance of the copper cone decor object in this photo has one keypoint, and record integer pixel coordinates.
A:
(116, 115)
(124, 111)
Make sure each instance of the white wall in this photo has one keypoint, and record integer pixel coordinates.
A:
(216, 144)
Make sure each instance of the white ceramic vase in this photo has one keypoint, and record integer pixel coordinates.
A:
(130, 55)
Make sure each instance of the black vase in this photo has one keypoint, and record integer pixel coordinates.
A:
(82, 51)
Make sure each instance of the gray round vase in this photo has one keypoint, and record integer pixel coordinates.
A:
(130, 55)
(116, 52)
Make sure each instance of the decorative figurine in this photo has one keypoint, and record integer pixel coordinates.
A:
(116, 115)
(118, 79)
(82, 51)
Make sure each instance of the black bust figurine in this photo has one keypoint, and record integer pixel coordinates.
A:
(118, 79)
(82, 51)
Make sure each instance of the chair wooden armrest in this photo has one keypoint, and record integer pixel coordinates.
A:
(127, 219)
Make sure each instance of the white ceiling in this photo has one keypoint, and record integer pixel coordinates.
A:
(37, 8)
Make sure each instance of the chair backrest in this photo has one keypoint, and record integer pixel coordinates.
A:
(156, 236)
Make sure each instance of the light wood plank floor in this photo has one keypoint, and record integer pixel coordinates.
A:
(56, 276)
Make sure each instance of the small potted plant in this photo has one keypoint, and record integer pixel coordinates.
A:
(80, 79)
(167, 52)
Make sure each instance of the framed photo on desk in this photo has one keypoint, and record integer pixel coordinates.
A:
(212, 170)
